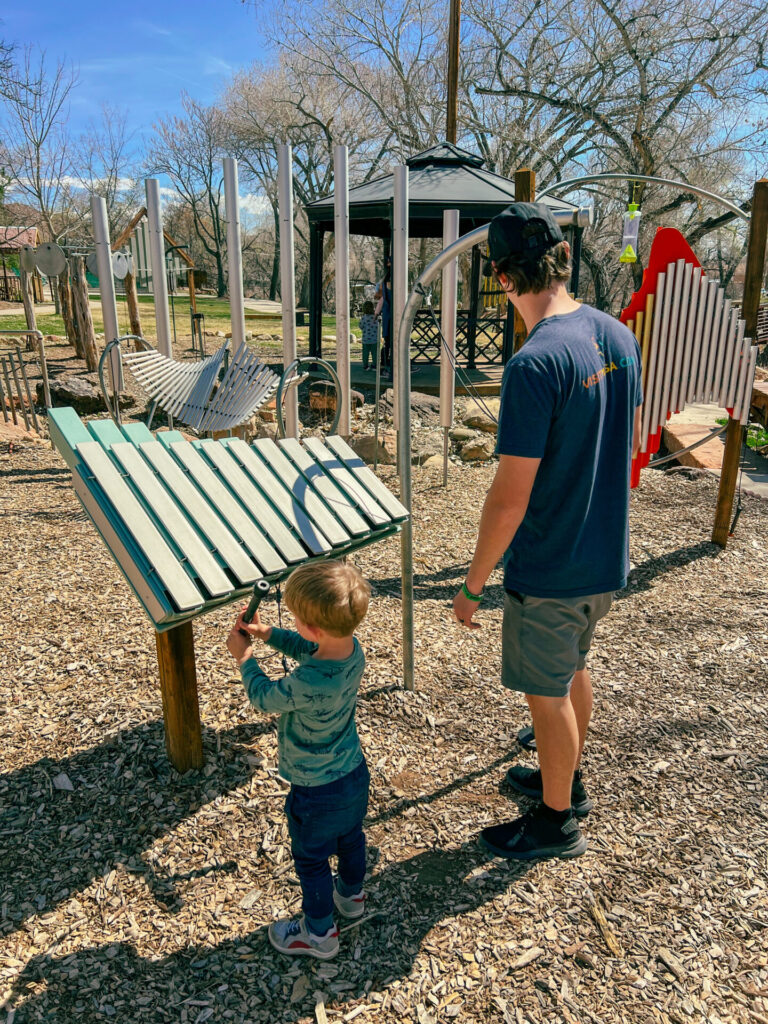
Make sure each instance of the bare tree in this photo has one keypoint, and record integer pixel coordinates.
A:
(189, 150)
(36, 147)
(105, 161)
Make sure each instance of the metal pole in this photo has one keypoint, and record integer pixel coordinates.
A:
(399, 284)
(157, 266)
(287, 280)
(376, 400)
(234, 253)
(448, 327)
(107, 288)
(341, 239)
(402, 345)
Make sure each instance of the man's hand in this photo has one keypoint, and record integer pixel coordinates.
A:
(464, 609)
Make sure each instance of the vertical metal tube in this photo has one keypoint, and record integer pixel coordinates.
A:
(287, 281)
(107, 290)
(234, 253)
(399, 286)
(341, 239)
(449, 293)
(157, 264)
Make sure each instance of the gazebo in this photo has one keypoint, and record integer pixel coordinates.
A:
(444, 177)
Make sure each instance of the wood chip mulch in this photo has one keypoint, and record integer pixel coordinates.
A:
(130, 893)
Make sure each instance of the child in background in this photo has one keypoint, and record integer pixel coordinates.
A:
(370, 329)
(318, 746)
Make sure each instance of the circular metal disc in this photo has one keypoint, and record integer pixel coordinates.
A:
(27, 259)
(92, 263)
(119, 265)
(50, 259)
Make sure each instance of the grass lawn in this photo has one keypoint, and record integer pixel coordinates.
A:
(757, 436)
(217, 318)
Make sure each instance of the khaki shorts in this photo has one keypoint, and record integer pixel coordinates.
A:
(544, 640)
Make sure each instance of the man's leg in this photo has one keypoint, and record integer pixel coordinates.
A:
(581, 701)
(557, 740)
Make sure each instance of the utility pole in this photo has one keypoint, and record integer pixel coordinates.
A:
(453, 70)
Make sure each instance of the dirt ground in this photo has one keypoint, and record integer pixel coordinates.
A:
(130, 893)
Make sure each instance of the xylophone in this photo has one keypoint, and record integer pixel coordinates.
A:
(193, 525)
(692, 342)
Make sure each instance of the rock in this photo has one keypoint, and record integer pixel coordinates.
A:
(80, 394)
(357, 398)
(425, 445)
(461, 434)
(476, 417)
(364, 445)
(478, 450)
(426, 407)
(433, 462)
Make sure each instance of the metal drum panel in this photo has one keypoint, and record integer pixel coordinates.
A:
(228, 507)
(280, 496)
(139, 525)
(334, 498)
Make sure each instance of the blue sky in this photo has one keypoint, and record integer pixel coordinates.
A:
(139, 56)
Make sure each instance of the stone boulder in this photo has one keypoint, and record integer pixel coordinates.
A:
(81, 394)
(425, 407)
(479, 450)
(461, 434)
(365, 446)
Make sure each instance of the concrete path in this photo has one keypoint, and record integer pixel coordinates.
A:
(693, 423)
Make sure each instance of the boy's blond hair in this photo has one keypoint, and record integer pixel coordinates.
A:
(328, 595)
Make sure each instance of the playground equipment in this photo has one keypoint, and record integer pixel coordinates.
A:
(14, 372)
(194, 525)
(692, 342)
(754, 275)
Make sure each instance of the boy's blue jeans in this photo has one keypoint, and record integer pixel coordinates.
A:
(323, 821)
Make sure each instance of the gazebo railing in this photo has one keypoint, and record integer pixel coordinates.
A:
(478, 339)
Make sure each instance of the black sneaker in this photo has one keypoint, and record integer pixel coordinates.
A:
(528, 782)
(535, 836)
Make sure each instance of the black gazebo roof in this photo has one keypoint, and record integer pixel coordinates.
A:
(444, 177)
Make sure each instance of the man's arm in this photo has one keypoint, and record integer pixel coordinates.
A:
(503, 511)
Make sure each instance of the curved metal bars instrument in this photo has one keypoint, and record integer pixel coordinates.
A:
(572, 183)
(286, 381)
(43, 364)
(115, 413)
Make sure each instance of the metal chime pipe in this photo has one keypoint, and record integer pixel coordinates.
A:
(448, 298)
(341, 241)
(157, 265)
(287, 280)
(234, 253)
(107, 288)
(399, 284)
(402, 346)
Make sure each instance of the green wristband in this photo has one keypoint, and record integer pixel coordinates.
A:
(469, 595)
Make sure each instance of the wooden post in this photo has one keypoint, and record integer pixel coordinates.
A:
(753, 281)
(132, 301)
(178, 686)
(68, 316)
(454, 33)
(82, 312)
(29, 308)
(525, 192)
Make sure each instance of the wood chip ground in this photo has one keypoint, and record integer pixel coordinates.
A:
(132, 894)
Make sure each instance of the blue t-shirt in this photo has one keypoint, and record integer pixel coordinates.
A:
(568, 397)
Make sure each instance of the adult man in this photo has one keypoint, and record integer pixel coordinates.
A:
(557, 511)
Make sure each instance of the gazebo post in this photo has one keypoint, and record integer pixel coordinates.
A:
(474, 296)
(316, 290)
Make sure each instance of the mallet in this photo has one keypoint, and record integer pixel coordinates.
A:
(260, 591)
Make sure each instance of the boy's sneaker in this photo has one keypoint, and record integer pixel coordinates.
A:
(352, 907)
(528, 782)
(535, 836)
(295, 938)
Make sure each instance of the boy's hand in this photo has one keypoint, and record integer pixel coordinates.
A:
(238, 645)
(256, 629)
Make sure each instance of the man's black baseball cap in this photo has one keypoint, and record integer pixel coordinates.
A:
(524, 231)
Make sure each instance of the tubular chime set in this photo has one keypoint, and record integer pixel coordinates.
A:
(692, 342)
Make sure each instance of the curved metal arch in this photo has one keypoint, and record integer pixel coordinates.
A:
(572, 183)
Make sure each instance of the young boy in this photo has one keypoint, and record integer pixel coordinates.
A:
(318, 746)
(370, 328)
